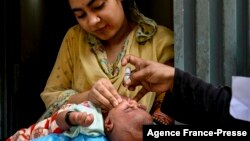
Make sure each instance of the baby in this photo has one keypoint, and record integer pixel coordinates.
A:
(125, 120)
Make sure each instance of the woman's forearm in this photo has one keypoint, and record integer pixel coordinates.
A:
(78, 98)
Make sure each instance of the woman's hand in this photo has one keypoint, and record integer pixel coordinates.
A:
(104, 95)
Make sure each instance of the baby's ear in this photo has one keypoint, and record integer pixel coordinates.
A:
(108, 124)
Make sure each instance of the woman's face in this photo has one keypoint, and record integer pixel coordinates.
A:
(101, 18)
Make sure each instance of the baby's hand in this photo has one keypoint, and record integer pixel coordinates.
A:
(82, 118)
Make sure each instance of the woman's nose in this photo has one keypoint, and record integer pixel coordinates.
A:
(94, 19)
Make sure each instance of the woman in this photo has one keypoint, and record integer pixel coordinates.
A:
(88, 66)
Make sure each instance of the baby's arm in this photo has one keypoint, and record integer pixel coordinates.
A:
(66, 119)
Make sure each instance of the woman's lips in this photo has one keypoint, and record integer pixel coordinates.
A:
(103, 29)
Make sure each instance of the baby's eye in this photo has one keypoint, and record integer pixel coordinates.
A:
(127, 109)
(143, 107)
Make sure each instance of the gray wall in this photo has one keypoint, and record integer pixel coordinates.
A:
(212, 38)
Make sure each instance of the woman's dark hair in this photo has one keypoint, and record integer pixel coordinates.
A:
(128, 7)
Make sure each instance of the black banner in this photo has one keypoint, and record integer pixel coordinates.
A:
(161, 132)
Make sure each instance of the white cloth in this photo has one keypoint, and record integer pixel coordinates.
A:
(240, 102)
(95, 129)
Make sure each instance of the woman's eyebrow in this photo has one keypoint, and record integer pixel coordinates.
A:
(90, 2)
(76, 9)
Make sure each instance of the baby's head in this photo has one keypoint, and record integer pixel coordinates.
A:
(125, 121)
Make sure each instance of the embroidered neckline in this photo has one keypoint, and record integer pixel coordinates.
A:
(145, 30)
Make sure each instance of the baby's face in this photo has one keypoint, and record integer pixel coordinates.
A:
(128, 105)
(130, 109)
(130, 113)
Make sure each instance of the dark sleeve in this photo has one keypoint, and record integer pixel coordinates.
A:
(196, 102)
